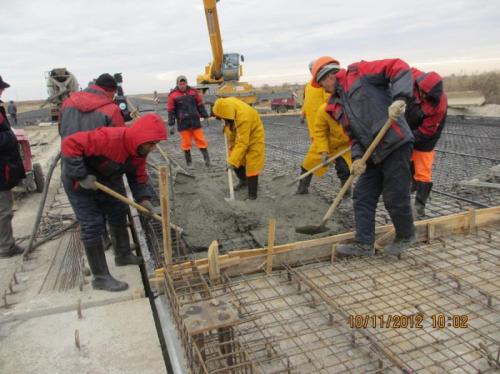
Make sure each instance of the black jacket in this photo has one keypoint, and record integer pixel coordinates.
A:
(11, 164)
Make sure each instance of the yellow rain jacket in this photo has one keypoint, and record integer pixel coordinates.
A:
(246, 138)
(329, 137)
(313, 99)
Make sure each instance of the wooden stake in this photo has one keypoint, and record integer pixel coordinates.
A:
(270, 245)
(165, 213)
(213, 261)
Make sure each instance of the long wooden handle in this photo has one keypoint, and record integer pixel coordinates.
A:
(126, 200)
(349, 181)
(319, 166)
(229, 173)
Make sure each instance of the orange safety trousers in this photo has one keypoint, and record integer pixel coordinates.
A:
(190, 134)
(422, 162)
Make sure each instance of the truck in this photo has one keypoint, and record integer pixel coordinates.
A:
(282, 105)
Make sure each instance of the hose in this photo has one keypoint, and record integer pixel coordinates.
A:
(52, 166)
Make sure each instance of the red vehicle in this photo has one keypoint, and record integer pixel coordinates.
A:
(282, 105)
(34, 180)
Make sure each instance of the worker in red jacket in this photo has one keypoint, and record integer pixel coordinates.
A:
(364, 96)
(91, 108)
(426, 115)
(185, 105)
(105, 155)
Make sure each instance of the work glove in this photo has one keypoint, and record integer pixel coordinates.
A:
(397, 108)
(151, 208)
(231, 167)
(324, 157)
(358, 167)
(88, 182)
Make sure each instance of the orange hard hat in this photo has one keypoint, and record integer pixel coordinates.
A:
(323, 66)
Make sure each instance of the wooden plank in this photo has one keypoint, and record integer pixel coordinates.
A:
(165, 212)
(270, 245)
(441, 225)
(213, 261)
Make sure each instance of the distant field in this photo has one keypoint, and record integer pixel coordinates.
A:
(29, 105)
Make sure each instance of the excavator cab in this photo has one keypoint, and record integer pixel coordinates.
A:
(231, 68)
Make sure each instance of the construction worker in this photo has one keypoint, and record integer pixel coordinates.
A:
(364, 96)
(246, 141)
(88, 110)
(331, 137)
(426, 115)
(105, 155)
(185, 105)
(91, 108)
(11, 173)
(12, 110)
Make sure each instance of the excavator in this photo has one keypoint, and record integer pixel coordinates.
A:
(222, 75)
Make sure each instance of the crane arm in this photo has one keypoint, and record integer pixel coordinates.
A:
(215, 38)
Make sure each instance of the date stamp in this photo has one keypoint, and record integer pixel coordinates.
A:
(414, 321)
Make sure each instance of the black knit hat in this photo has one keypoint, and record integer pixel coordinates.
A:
(3, 84)
(107, 82)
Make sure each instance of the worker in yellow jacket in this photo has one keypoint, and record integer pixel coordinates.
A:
(328, 139)
(314, 97)
(246, 140)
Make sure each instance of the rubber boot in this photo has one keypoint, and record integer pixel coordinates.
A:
(102, 280)
(121, 243)
(304, 183)
(423, 191)
(13, 251)
(241, 173)
(253, 185)
(187, 156)
(206, 157)
(399, 245)
(355, 249)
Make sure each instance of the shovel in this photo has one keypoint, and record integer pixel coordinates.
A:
(312, 230)
(132, 203)
(229, 173)
(317, 167)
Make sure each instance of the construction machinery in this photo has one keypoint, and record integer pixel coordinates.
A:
(60, 84)
(222, 75)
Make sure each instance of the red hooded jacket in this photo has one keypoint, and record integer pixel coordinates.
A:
(109, 152)
(426, 114)
(88, 110)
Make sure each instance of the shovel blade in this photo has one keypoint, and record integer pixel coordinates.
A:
(311, 230)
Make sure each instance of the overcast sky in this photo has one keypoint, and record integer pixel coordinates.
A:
(152, 41)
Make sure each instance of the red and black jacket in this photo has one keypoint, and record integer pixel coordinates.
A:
(363, 93)
(185, 107)
(88, 110)
(426, 114)
(11, 164)
(110, 152)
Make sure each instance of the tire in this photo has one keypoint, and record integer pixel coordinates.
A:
(282, 109)
(39, 177)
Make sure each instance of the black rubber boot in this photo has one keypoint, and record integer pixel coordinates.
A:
(121, 243)
(187, 156)
(399, 245)
(355, 249)
(304, 183)
(206, 157)
(423, 191)
(253, 185)
(241, 173)
(98, 266)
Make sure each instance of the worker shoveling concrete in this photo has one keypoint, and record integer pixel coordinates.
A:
(205, 215)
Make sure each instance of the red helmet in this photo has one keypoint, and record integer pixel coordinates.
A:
(323, 66)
